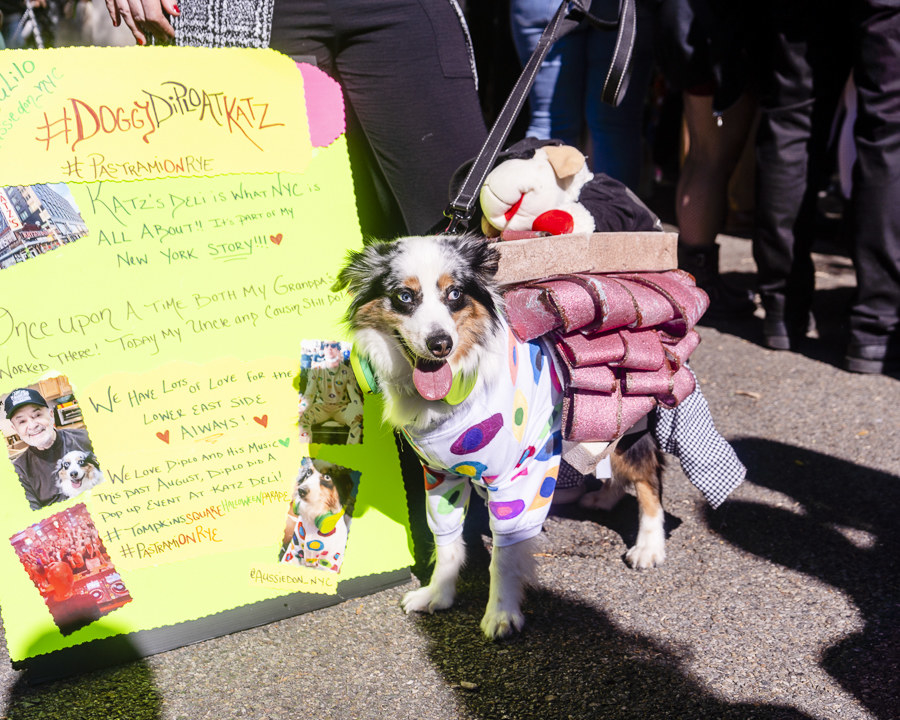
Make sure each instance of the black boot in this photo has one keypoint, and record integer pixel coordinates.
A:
(787, 321)
(725, 301)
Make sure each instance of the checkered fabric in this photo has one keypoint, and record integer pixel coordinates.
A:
(708, 460)
(569, 477)
(688, 432)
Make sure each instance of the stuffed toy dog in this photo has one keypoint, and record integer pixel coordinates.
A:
(545, 186)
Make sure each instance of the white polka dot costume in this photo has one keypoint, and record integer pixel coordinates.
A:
(321, 546)
(507, 444)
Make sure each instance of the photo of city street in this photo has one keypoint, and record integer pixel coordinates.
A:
(35, 219)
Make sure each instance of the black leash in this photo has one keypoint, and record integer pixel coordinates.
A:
(569, 15)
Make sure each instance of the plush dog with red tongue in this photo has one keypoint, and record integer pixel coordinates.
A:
(544, 186)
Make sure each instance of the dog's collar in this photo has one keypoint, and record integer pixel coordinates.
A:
(460, 388)
(327, 522)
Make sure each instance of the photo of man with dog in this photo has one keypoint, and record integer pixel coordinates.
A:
(48, 444)
(331, 403)
(318, 518)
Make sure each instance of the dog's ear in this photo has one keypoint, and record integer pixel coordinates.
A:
(363, 265)
(345, 483)
(59, 464)
(89, 457)
(364, 274)
(482, 257)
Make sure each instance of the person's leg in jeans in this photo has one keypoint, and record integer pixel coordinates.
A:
(617, 132)
(406, 70)
(556, 100)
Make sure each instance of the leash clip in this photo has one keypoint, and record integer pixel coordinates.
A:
(459, 219)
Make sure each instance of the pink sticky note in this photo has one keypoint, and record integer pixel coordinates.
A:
(324, 106)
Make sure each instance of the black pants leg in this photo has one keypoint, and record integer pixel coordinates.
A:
(405, 70)
(876, 181)
(804, 71)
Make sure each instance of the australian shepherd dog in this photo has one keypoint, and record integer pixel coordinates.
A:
(77, 471)
(480, 408)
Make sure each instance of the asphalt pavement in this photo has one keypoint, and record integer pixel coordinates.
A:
(783, 603)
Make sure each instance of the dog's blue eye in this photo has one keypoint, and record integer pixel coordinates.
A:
(405, 296)
(454, 294)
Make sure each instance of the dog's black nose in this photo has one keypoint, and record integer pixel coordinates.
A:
(439, 344)
(302, 492)
(73, 473)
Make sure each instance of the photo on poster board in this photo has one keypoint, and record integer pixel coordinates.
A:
(331, 402)
(48, 443)
(35, 219)
(67, 562)
(317, 524)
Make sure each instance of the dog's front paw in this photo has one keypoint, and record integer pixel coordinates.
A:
(497, 624)
(647, 553)
(427, 599)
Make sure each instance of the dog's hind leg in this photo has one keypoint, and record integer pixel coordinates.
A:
(512, 569)
(606, 498)
(640, 463)
(440, 592)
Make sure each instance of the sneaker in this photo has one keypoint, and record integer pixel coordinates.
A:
(787, 322)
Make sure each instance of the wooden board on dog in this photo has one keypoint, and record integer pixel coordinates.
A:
(541, 257)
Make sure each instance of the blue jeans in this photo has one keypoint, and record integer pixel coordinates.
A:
(565, 98)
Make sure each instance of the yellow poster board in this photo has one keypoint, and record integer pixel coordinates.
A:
(171, 224)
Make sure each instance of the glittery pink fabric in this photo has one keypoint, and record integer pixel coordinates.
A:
(623, 340)
(591, 415)
(572, 302)
(529, 313)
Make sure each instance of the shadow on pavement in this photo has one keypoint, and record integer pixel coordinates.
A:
(846, 534)
(622, 519)
(83, 692)
(122, 692)
(571, 663)
(830, 310)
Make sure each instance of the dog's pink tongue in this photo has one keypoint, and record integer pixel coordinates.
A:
(432, 379)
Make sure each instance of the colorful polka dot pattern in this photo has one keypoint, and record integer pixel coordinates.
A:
(447, 503)
(552, 447)
(506, 510)
(432, 479)
(477, 436)
(506, 425)
(545, 494)
(537, 360)
(513, 358)
(519, 415)
(470, 468)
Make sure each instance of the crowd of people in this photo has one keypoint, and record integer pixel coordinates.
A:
(407, 68)
(70, 538)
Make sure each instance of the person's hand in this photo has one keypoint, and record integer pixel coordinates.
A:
(144, 17)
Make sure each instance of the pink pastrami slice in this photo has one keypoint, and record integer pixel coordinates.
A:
(432, 379)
